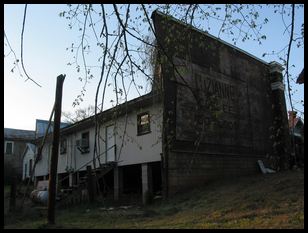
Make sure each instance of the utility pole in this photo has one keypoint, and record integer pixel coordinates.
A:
(55, 152)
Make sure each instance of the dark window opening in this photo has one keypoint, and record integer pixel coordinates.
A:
(63, 146)
(9, 148)
(143, 123)
(85, 139)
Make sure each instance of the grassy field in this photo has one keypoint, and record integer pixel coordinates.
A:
(261, 201)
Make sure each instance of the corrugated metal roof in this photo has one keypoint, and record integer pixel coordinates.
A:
(19, 134)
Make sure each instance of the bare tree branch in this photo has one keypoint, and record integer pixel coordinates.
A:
(12, 51)
(22, 39)
(287, 75)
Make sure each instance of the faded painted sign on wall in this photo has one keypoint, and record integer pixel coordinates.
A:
(213, 109)
(220, 95)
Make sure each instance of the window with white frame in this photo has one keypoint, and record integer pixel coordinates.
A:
(143, 123)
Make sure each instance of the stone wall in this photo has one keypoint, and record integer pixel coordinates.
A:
(188, 170)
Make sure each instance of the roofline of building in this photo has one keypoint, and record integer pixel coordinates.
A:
(144, 100)
(18, 137)
(213, 37)
(20, 129)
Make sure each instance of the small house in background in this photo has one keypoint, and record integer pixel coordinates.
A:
(28, 161)
(300, 79)
(18, 145)
(15, 143)
(41, 127)
(296, 126)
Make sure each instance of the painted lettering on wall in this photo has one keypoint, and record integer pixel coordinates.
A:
(219, 112)
(215, 87)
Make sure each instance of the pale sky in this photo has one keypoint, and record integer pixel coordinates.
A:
(46, 38)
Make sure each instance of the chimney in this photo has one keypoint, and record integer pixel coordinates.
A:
(292, 117)
(292, 114)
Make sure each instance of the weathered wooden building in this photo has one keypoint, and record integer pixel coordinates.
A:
(223, 108)
(211, 115)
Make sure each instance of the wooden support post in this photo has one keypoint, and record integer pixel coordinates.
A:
(13, 194)
(117, 182)
(147, 188)
(54, 152)
(91, 189)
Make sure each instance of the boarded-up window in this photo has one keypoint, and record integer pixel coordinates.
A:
(143, 123)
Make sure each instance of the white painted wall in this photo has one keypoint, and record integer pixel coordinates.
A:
(135, 149)
(144, 148)
(42, 166)
(29, 154)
